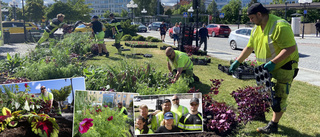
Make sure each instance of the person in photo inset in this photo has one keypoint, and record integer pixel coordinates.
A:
(167, 124)
(122, 110)
(147, 118)
(192, 121)
(177, 108)
(141, 127)
(166, 107)
(48, 98)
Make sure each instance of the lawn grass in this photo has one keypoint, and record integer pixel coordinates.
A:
(302, 118)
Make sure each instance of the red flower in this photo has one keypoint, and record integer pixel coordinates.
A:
(32, 95)
(110, 118)
(98, 110)
(105, 106)
(26, 85)
(85, 124)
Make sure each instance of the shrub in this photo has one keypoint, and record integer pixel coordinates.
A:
(155, 40)
(148, 38)
(126, 37)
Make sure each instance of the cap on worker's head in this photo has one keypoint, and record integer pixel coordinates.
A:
(257, 7)
(166, 101)
(196, 100)
(111, 15)
(168, 115)
(94, 17)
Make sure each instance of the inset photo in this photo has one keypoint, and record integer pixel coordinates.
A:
(38, 108)
(168, 114)
(103, 113)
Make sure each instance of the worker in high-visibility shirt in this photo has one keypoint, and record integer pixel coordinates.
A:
(166, 107)
(122, 110)
(181, 62)
(143, 109)
(52, 27)
(141, 127)
(274, 45)
(177, 108)
(48, 98)
(191, 121)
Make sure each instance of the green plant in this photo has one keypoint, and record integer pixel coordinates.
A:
(148, 38)
(13, 62)
(126, 37)
(154, 40)
(102, 117)
(138, 38)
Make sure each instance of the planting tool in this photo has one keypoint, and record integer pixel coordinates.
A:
(263, 78)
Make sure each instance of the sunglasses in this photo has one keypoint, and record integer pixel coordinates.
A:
(175, 99)
(194, 104)
(43, 88)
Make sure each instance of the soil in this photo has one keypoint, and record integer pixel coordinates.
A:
(23, 129)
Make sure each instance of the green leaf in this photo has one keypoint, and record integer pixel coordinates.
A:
(26, 106)
(8, 56)
(13, 123)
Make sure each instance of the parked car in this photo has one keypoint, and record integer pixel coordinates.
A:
(136, 99)
(156, 26)
(141, 27)
(239, 38)
(17, 27)
(218, 29)
(170, 32)
(83, 28)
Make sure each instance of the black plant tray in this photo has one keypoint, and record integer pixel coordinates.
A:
(224, 69)
(263, 78)
(165, 47)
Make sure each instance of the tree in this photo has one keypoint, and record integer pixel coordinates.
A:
(168, 12)
(252, 2)
(81, 9)
(183, 8)
(34, 10)
(64, 8)
(18, 13)
(62, 94)
(124, 13)
(231, 11)
(213, 10)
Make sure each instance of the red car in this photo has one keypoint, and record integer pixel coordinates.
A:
(218, 29)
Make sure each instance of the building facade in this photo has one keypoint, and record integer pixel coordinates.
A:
(244, 3)
(101, 6)
(96, 97)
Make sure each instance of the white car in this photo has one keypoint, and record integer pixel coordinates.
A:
(239, 38)
(136, 99)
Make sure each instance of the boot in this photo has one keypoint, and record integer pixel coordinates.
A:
(270, 128)
(107, 54)
(100, 54)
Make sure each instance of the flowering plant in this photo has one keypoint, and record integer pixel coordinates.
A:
(251, 103)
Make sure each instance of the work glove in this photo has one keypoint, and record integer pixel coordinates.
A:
(269, 66)
(234, 66)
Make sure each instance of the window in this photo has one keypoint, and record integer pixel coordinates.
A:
(131, 96)
(99, 99)
(100, 92)
(124, 96)
(7, 24)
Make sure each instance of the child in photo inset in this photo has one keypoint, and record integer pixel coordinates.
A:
(142, 127)
(167, 124)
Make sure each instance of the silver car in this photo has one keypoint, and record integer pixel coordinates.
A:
(239, 38)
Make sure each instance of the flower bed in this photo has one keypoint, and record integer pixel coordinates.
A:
(165, 47)
(140, 45)
(193, 50)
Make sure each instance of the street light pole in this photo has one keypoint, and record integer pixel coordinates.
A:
(24, 22)
(285, 14)
(240, 12)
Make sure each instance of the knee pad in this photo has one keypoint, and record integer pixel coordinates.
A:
(276, 107)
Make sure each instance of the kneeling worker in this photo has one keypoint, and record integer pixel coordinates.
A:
(181, 63)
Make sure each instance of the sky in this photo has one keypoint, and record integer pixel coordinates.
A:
(77, 83)
(166, 2)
